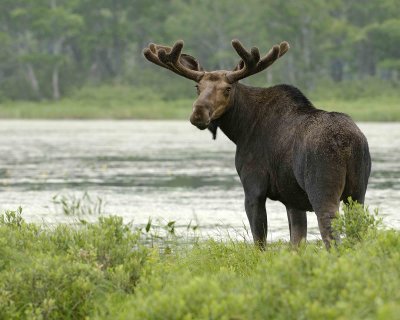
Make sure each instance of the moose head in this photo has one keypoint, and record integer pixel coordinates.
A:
(215, 89)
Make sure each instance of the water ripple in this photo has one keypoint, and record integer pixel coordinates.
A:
(165, 169)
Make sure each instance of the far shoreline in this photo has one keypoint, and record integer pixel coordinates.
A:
(377, 109)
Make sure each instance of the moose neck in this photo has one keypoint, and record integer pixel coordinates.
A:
(250, 107)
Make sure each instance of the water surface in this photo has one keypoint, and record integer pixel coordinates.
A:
(167, 170)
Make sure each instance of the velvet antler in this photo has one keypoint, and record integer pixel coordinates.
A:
(172, 59)
(251, 62)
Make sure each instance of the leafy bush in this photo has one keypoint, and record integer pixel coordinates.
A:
(107, 270)
(64, 272)
(355, 222)
(234, 281)
(12, 218)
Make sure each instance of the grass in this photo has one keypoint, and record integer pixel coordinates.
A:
(365, 109)
(113, 108)
(109, 270)
(122, 102)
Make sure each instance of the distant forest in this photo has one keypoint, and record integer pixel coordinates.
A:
(49, 48)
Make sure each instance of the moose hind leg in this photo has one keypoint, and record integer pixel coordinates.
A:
(324, 189)
(257, 215)
(325, 218)
(297, 225)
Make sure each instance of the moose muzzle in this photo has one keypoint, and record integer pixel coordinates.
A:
(200, 116)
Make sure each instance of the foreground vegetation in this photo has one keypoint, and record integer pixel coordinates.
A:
(108, 270)
(373, 102)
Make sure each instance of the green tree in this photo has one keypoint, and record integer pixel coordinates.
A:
(50, 47)
(45, 28)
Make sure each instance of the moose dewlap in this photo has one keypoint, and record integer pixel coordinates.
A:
(286, 149)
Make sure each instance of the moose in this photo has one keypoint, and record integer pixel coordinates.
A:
(286, 149)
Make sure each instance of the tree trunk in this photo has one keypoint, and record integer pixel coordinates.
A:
(116, 53)
(33, 81)
(337, 70)
(55, 83)
(367, 65)
(57, 48)
(306, 56)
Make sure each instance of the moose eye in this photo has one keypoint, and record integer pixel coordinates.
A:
(227, 91)
(197, 88)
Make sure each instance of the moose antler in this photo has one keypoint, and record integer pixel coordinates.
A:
(251, 62)
(172, 59)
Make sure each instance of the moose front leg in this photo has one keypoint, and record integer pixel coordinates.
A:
(257, 215)
(255, 194)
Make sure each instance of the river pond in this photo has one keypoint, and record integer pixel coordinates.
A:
(167, 170)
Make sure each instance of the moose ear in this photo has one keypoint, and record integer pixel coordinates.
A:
(190, 62)
(213, 127)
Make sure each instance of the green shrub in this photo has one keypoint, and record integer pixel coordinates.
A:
(108, 270)
(234, 281)
(51, 287)
(12, 218)
(355, 222)
(65, 272)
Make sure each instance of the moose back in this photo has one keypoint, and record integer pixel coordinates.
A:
(286, 149)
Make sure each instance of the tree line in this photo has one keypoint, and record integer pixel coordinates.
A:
(48, 48)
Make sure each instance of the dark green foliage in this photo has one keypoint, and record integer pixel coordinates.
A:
(49, 48)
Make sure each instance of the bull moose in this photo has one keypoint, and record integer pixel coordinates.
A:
(286, 149)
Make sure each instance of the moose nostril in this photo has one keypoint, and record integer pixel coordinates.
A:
(197, 116)
(197, 113)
